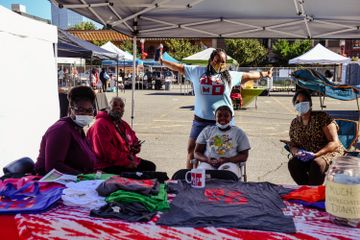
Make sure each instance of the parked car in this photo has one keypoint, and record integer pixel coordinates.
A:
(170, 76)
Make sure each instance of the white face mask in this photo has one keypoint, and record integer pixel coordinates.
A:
(222, 126)
(83, 120)
(302, 107)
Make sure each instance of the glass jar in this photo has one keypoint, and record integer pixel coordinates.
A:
(342, 186)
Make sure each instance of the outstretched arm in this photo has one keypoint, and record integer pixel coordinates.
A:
(173, 66)
(249, 76)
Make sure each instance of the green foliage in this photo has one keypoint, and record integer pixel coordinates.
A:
(83, 26)
(246, 51)
(127, 46)
(179, 48)
(286, 51)
(98, 42)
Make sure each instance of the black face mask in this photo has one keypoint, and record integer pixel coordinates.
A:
(115, 115)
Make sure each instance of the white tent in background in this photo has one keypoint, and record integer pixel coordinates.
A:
(29, 101)
(122, 55)
(320, 55)
(203, 57)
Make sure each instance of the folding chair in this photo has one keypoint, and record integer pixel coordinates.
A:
(242, 166)
(348, 133)
(218, 174)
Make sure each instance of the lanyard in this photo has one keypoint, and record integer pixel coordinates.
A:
(122, 134)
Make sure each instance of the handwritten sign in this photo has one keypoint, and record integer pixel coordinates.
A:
(342, 200)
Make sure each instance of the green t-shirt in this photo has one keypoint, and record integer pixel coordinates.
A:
(92, 176)
(152, 203)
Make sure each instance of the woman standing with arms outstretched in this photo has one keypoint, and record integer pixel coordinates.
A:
(211, 84)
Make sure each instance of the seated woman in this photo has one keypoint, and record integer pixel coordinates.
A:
(222, 146)
(114, 142)
(314, 142)
(64, 145)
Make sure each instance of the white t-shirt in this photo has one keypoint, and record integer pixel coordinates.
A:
(210, 90)
(223, 143)
(83, 194)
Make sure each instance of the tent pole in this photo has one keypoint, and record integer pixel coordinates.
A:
(117, 76)
(321, 103)
(133, 82)
(91, 62)
(358, 107)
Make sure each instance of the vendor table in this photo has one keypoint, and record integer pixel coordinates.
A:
(64, 222)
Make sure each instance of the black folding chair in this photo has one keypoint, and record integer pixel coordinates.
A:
(218, 174)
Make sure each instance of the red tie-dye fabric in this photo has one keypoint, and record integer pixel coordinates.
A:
(65, 222)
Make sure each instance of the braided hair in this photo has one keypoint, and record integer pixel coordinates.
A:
(225, 75)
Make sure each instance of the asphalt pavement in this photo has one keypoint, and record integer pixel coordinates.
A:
(163, 119)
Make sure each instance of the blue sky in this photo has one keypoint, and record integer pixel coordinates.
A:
(39, 8)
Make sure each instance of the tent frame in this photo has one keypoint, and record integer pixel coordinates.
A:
(303, 17)
(146, 11)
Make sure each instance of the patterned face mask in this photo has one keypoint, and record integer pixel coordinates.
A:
(302, 107)
(219, 67)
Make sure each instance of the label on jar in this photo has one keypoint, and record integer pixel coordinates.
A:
(342, 200)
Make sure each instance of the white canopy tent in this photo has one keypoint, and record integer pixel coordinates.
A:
(203, 57)
(222, 19)
(227, 19)
(29, 101)
(320, 55)
(122, 55)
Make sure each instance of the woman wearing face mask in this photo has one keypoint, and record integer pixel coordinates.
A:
(64, 145)
(211, 84)
(314, 142)
(222, 146)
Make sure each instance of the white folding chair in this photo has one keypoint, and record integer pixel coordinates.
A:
(242, 166)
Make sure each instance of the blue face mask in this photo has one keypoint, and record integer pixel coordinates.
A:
(302, 107)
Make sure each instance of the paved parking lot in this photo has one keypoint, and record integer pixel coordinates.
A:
(163, 119)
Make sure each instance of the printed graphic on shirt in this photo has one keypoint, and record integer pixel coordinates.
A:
(221, 144)
(211, 85)
(219, 195)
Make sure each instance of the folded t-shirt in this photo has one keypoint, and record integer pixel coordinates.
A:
(146, 186)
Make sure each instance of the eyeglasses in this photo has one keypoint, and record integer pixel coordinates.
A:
(83, 110)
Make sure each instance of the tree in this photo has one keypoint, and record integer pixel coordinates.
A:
(180, 48)
(246, 51)
(286, 51)
(83, 26)
(99, 42)
(127, 46)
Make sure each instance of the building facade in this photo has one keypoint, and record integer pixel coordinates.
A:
(64, 18)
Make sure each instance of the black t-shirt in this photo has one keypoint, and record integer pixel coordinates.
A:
(228, 204)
